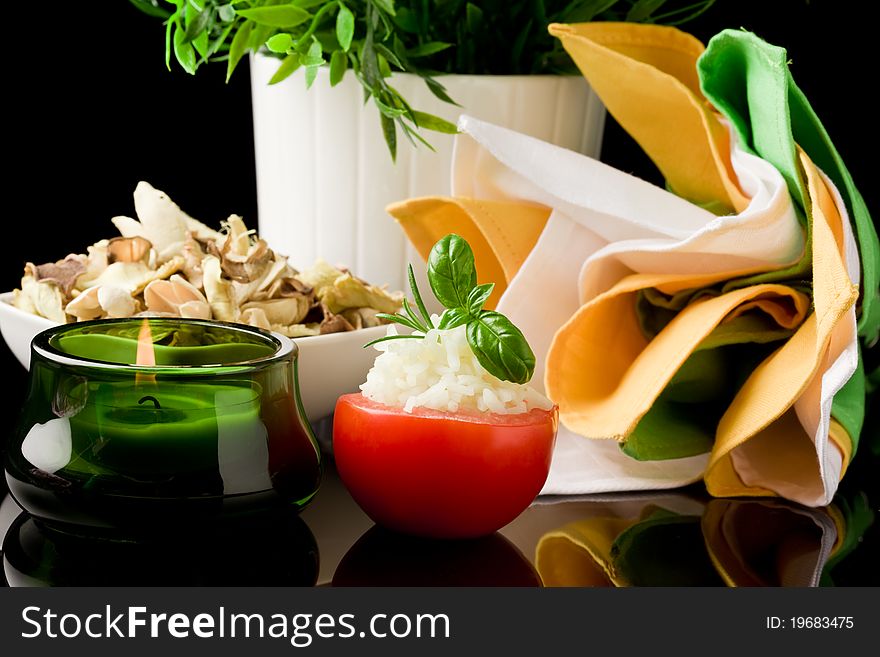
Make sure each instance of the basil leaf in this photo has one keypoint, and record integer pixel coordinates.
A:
(477, 298)
(344, 27)
(500, 347)
(451, 271)
(454, 317)
(277, 16)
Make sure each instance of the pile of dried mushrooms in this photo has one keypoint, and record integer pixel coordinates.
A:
(169, 264)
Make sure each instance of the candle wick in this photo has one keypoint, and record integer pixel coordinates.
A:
(149, 398)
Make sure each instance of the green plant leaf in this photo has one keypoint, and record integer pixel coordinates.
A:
(288, 65)
(435, 123)
(307, 4)
(585, 11)
(200, 43)
(439, 91)
(385, 5)
(388, 55)
(338, 66)
(417, 295)
(474, 17)
(451, 271)
(169, 27)
(406, 20)
(311, 76)
(387, 110)
(384, 69)
(477, 298)
(184, 52)
(393, 337)
(195, 26)
(313, 57)
(344, 27)
(519, 44)
(279, 42)
(226, 13)
(427, 49)
(276, 16)
(403, 320)
(501, 348)
(453, 318)
(151, 8)
(643, 9)
(238, 47)
(389, 130)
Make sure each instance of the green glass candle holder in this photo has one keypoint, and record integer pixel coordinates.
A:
(212, 426)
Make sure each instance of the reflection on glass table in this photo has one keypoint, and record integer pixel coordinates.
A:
(270, 550)
(663, 538)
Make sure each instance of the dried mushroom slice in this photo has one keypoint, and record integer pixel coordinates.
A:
(284, 311)
(162, 221)
(241, 259)
(128, 249)
(201, 232)
(299, 330)
(219, 291)
(335, 324)
(42, 298)
(192, 260)
(177, 297)
(63, 273)
(321, 276)
(256, 317)
(286, 287)
(135, 276)
(102, 302)
(362, 317)
(350, 292)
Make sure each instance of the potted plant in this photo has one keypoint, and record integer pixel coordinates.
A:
(337, 85)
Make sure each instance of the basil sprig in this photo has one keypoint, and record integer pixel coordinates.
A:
(498, 344)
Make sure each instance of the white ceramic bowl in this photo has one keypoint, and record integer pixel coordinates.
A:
(329, 365)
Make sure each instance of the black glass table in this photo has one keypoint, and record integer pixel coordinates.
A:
(666, 538)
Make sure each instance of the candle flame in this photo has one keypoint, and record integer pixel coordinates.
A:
(146, 354)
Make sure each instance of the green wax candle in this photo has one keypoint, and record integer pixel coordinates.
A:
(123, 349)
(161, 430)
(143, 420)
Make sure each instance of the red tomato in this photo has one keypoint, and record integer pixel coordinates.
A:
(441, 474)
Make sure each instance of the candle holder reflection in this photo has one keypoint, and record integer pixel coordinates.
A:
(272, 548)
(381, 557)
(211, 426)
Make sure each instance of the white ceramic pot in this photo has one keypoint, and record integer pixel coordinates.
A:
(324, 175)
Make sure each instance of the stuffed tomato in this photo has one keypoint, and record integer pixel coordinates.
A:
(446, 438)
(439, 473)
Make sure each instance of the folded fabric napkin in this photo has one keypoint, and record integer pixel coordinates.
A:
(707, 330)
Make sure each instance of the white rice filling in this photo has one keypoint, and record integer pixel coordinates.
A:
(441, 372)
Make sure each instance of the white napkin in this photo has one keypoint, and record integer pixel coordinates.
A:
(606, 224)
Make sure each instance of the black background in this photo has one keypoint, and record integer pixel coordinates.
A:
(91, 110)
